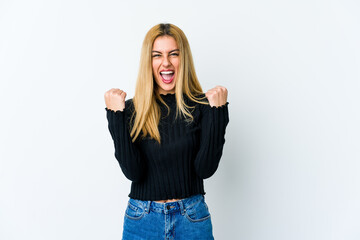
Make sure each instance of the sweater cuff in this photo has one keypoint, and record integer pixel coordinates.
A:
(219, 115)
(113, 111)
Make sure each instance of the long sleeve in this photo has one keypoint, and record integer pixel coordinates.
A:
(212, 139)
(126, 152)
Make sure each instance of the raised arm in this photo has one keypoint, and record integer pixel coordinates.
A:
(126, 152)
(213, 123)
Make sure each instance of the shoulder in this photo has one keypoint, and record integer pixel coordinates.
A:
(204, 102)
(199, 97)
(129, 102)
(129, 106)
(198, 105)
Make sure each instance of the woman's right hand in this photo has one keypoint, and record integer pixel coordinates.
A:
(115, 99)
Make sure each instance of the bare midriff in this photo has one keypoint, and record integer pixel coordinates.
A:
(168, 200)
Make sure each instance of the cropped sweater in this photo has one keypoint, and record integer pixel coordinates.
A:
(188, 153)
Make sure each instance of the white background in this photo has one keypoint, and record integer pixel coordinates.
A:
(290, 167)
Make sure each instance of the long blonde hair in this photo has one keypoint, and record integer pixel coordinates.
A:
(147, 111)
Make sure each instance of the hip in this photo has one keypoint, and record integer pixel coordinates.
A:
(188, 218)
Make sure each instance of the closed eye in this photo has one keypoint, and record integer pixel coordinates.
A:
(174, 54)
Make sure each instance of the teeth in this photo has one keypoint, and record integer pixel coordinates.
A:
(167, 72)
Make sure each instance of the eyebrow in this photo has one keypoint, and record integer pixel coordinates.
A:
(169, 52)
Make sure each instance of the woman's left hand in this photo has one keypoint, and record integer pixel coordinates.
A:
(217, 96)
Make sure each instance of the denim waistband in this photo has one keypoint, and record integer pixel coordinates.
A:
(168, 207)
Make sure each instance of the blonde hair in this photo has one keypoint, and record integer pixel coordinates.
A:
(147, 111)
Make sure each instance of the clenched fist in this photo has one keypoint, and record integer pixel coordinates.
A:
(217, 96)
(115, 99)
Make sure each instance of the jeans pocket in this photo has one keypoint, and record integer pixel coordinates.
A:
(134, 211)
(198, 212)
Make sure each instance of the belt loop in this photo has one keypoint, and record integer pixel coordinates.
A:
(147, 207)
(182, 207)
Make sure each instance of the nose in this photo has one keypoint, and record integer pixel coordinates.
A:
(166, 62)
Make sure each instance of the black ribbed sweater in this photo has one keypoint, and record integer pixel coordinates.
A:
(188, 153)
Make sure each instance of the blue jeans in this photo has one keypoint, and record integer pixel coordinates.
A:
(188, 218)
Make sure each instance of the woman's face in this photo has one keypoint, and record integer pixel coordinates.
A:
(165, 63)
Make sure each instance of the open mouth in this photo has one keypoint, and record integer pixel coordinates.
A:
(167, 76)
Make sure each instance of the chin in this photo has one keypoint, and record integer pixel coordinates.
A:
(166, 88)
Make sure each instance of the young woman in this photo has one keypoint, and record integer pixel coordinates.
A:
(168, 138)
